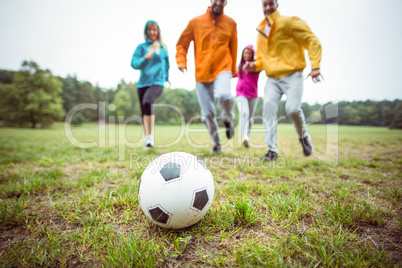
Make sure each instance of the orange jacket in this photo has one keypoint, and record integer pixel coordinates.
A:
(215, 45)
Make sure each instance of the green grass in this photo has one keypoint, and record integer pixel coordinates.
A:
(63, 206)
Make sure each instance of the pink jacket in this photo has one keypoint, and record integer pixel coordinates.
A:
(247, 84)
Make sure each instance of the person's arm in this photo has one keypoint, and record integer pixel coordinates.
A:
(139, 61)
(233, 50)
(255, 66)
(167, 66)
(302, 33)
(182, 46)
(236, 73)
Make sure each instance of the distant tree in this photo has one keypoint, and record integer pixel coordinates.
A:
(33, 98)
(368, 113)
(348, 114)
(387, 116)
(70, 94)
(131, 88)
(78, 119)
(99, 94)
(190, 103)
(307, 110)
(123, 104)
(86, 95)
(6, 76)
(397, 121)
(109, 95)
(121, 85)
(180, 100)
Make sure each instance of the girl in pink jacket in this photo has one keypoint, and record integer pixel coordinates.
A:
(246, 94)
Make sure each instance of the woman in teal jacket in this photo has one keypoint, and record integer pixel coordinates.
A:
(152, 59)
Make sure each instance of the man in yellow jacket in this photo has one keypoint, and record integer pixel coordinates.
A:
(215, 48)
(281, 42)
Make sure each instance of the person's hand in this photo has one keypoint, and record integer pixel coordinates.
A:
(182, 69)
(249, 66)
(167, 84)
(149, 55)
(316, 75)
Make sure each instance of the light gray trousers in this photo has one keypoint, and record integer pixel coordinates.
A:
(292, 86)
(246, 107)
(206, 92)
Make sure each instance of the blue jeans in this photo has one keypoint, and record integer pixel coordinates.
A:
(207, 92)
(292, 86)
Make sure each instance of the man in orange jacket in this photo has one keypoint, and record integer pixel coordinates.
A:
(215, 48)
(281, 43)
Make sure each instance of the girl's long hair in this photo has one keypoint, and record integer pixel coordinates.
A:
(156, 45)
(242, 61)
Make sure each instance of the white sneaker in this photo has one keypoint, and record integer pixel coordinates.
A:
(151, 141)
(246, 141)
(147, 143)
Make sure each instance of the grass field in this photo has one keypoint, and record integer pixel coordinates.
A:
(63, 206)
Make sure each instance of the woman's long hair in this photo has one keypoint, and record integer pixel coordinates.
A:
(242, 61)
(155, 45)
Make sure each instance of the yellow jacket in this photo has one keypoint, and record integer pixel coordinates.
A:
(282, 52)
(215, 46)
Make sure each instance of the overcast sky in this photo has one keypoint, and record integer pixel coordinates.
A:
(95, 39)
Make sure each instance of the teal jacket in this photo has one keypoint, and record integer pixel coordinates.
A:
(154, 71)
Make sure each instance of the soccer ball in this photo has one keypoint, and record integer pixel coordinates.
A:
(176, 190)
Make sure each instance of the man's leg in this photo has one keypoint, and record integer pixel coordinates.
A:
(272, 96)
(221, 87)
(293, 88)
(208, 113)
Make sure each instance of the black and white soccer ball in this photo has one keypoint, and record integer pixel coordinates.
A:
(176, 190)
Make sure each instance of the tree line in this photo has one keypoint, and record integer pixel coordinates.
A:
(35, 97)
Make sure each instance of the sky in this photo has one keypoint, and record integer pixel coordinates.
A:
(95, 40)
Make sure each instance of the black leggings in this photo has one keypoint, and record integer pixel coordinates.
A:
(148, 95)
